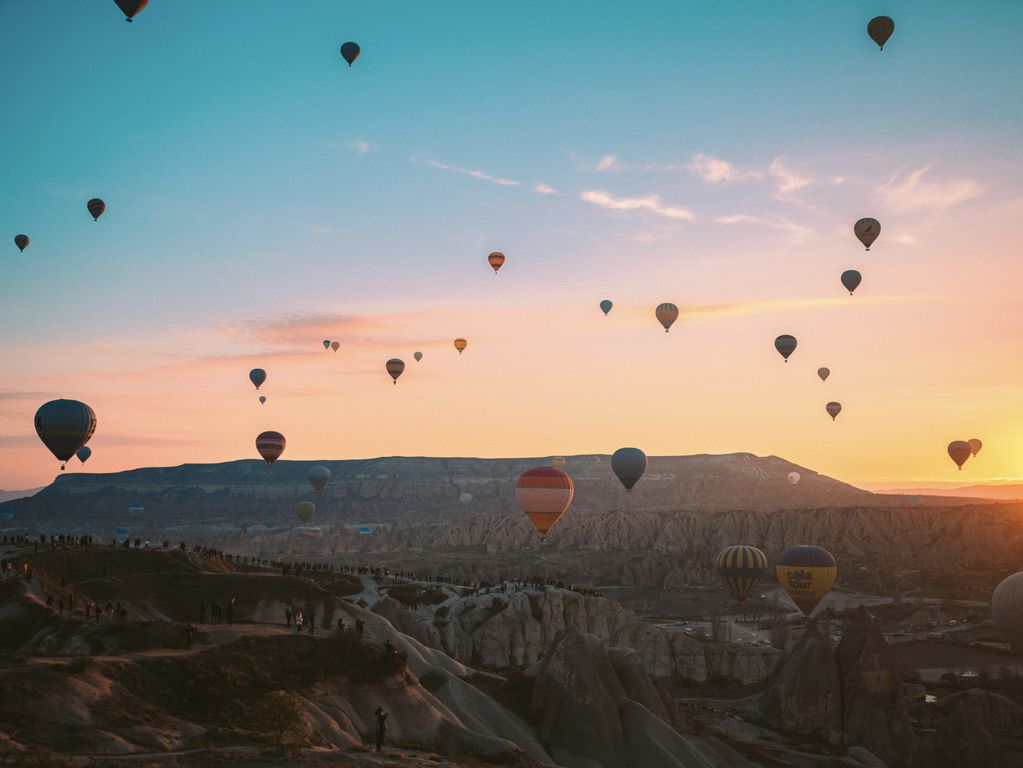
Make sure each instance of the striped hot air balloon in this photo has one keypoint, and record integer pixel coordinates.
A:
(667, 314)
(96, 208)
(395, 367)
(741, 567)
(131, 8)
(806, 573)
(544, 493)
(496, 260)
(461, 344)
(270, 446)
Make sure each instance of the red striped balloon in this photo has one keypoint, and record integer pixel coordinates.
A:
(395, 368)
(270, 446)
(496, 260)
(544, 493)
(96, 208)
(131, 8)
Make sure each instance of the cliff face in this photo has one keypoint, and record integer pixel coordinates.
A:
(417, 490)
(516, 629)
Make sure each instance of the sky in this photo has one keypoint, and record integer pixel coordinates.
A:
(262, 196)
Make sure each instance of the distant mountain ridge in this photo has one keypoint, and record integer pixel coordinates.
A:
(1006, 492)
(418, 490)
(8, 495)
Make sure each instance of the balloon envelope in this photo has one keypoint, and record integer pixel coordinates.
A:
(824, 373)
(741, 567)
(880, 28)
(833, 409)
(326, 343)
(270, 446)
(262, 399)
(350, 52)
(851, 279)
(544, 494)
(559, 462)
(22, 242)
(461, 344)
(318, 477)
(64, 426)
(786, 345)
(975, 445)
(806, 573)
(257, 376)
(794, 477)
(305, 510)
(666, 314)
(394, 368)
(96, 208)
(83, 453)
(418, 356)
(1007, 610)
(959, 451)
(628, 464)
(605, 306)
(496, 260)
(866, 231)
(130, 8)
(335, 345)
(465, 498)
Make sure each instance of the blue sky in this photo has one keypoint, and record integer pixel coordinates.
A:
(253, 180)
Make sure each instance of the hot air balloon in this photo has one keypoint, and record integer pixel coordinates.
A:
(806, 573)
(418, 356)
(257, 376)
(461, 344)
(666, 314)
(318, 478)
(959, 451)
(851, 279)
(6, 514)
(559, 462)
(64, 426)
(605, 306)
(833, 409)
(394, 368)
(262, 399)
(136, 508)
(83, 453)
(496, 260)
(544, 493)
(350, 52)
(131, 8)
(975, 445)
(270, 446)
(96, 208)
(794, 477)
(824, 373)
(326, 343)
(1007, 610)
(786, 345)
(335, 345)
(22, 242)
(465, 498)
(866, 231)
(880, 28)
(305, 510)
(628, 464)
(741, 567)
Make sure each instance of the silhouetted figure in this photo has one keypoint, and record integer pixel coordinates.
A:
(340, 626)
(298, 622)
(381, 717)
(216, 613)
(287, 617)
(360, 626)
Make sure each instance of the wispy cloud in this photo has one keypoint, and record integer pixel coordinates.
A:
(912, 192)
(473, 172)
(796, 232)
(651, 203)
(787, 181)
(609, 163)
(363, 147)
(714, 169)
(545, 189)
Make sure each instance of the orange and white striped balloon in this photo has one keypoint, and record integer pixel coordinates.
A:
(544, 493)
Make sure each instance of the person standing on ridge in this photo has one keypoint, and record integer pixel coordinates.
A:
(381, 717)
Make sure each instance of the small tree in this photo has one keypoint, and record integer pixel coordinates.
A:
(277, 715)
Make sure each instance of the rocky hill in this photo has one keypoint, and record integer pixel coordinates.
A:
(408, 491)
